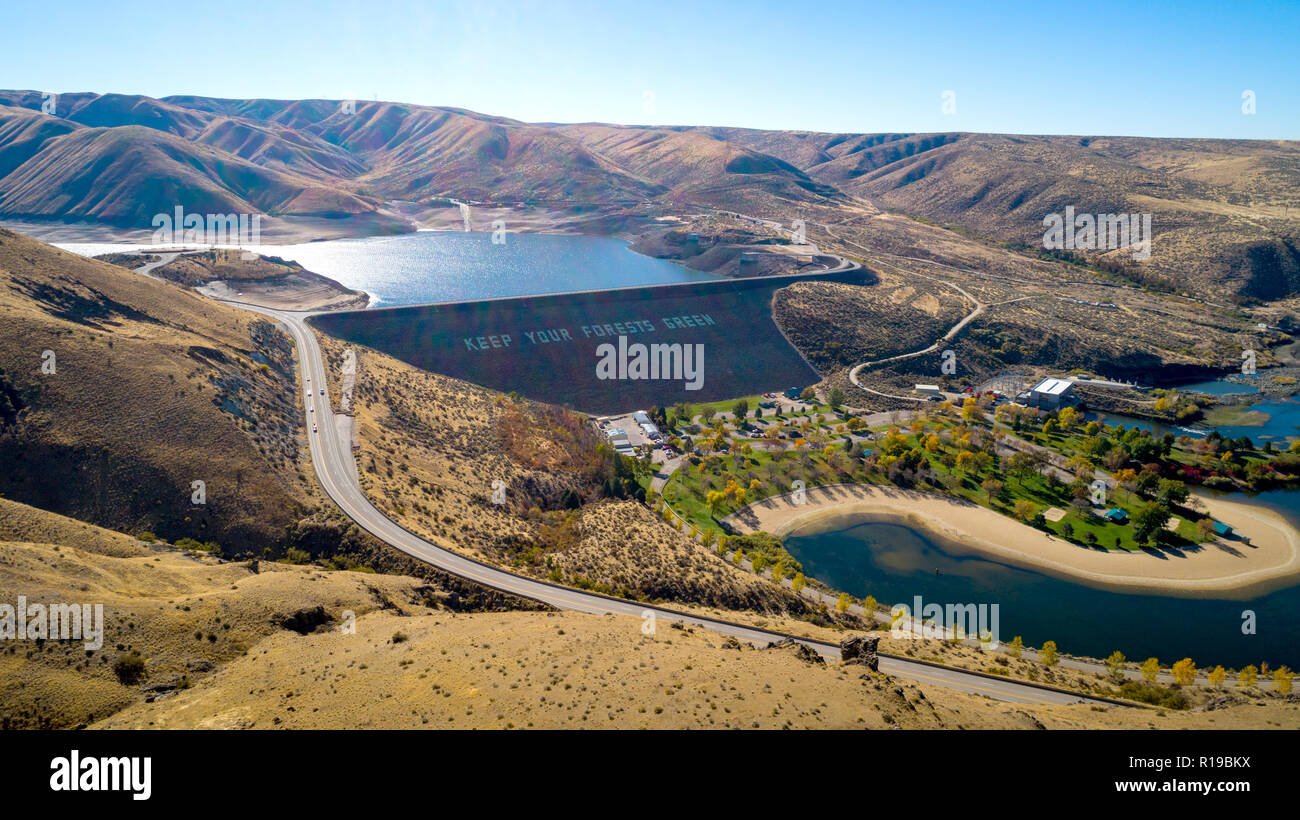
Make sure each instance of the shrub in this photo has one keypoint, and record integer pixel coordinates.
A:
(129, 668)
(199, 546)
(1155, 695)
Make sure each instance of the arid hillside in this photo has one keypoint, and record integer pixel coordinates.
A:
(120, 159)
(126, 174)
(568, 670)
(1225, 213)
(120, 392)
(1037, 315)
(434, 452)
(171, 617)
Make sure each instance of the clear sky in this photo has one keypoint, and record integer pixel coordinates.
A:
(1093, 67)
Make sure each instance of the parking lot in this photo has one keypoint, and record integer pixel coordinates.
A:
(636, 436)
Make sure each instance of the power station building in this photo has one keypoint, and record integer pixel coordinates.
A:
(1052, 394)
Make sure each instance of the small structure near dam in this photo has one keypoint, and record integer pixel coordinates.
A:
(601, 352)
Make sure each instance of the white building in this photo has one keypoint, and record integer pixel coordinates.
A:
(1052, 394)
(640, 417)
(931, 390)
(618, 437)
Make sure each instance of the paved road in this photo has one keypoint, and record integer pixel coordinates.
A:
(952, 332)
(336, 469)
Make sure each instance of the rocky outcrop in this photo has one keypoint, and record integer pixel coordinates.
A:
(306, 620)
(861, 649)
(802, 651)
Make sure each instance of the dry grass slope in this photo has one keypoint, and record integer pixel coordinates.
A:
(153, 388)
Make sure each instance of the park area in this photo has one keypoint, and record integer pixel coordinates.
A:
(1093, 485)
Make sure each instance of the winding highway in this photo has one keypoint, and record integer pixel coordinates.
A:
(331, 453)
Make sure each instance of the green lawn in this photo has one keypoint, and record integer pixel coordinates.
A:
(687, 491)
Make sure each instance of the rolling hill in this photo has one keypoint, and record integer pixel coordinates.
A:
(1225, 213)
(118, 392)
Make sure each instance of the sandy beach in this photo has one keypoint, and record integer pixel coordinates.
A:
(1222, 568)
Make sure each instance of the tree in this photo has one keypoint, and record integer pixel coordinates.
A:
(1149, 521)
(1048, 654)
(1016, 646)
(1282, 679)
(1114, 459)
(741, 409)
(1081, 467)
(1067, 418)
(835, 398)
(1020, 466)
(843, 603)
(1184, 672)
(1247, 677)
(1150, 670)
(869, 606)
(714, 500)
(1146, 482)
(1205, 529)
(1217, 674)
(798, 583)
(1115, 664)
(1171, 492)
(992, 488)
(1024, 509)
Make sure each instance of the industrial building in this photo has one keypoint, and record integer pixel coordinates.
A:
(1052, 394)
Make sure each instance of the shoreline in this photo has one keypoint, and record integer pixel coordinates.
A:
(1221, 568)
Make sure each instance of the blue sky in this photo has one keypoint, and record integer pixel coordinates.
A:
(1138, 68)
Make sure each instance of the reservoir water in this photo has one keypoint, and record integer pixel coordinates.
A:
(451, 266)
(894, 563)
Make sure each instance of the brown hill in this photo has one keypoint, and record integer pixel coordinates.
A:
(125, 176)
(1225, 213)
(152, 388)
(183, 613)
(283, 149)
